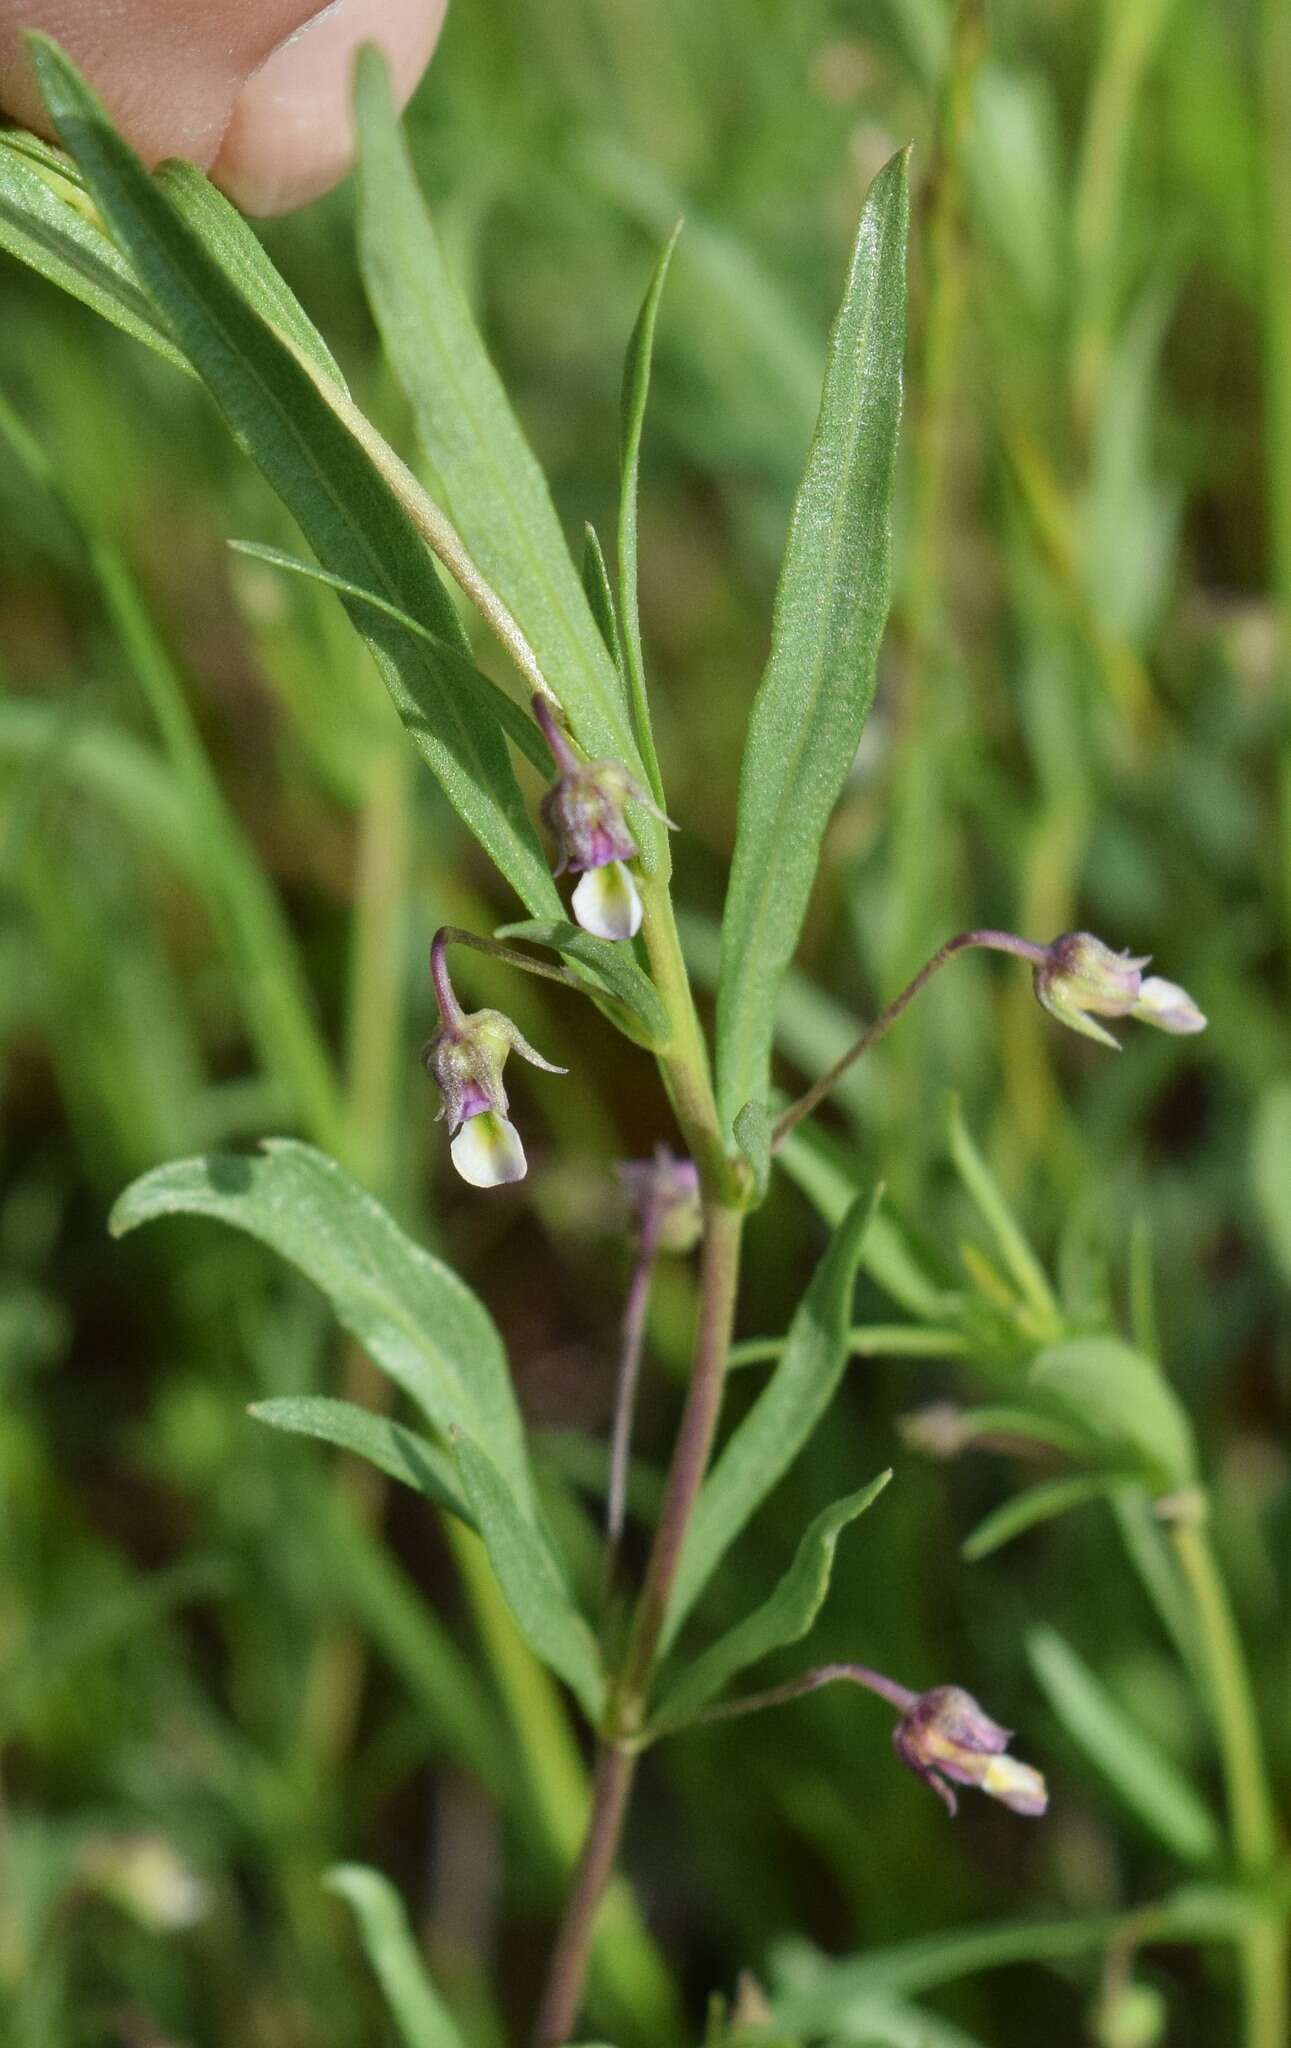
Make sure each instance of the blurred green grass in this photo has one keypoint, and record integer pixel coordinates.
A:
(1082, 720)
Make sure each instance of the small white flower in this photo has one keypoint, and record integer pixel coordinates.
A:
(1169, 1007)
(608, 902)
(487, 1151)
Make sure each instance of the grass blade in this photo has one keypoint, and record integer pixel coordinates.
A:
(831, 607)
(423, 2019)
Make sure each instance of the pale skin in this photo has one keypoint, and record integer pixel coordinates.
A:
(255, 92)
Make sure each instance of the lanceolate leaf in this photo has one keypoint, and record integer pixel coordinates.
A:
(347, 509)
(784, 1618)
(1036, 1504)
(487, 478)
(636, 390)
(1125, 1403)
(830, 611)
(769, 1438)
(415, 1318)
(512, 717)
(386, 1444)
(44, 229)
(530, 1579)
(226, 236)
(600, 595)
(610, 963)
(1148, 1780)
(423, 2019)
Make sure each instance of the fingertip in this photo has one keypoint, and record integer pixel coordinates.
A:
(290, 136)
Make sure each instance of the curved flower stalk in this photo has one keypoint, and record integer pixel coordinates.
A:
(1080, 978)
(586, 812)
(465, 1059)
(943, 1736)
(1076, 978)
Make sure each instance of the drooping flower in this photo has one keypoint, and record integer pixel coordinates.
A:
(586, 811)
(1079, 975)
(465, 1059)
(1079, 978)
(944, 1736)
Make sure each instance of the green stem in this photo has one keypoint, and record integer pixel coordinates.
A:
(685, 1063)
(1252, 1819)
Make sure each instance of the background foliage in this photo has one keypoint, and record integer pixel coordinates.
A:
(219, 875)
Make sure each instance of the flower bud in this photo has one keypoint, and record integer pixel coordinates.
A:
(663, 1194)
(586, 811)
(945, 1735)
(465, 1059)
(1079, 974)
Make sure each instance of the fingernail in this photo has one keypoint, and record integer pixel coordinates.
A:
(291, 133)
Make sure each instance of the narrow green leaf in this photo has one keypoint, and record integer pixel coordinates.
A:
(769, 1438)
(388, 1445)
(415, 1318)
(612, 965)
(486, 476)
(420, 2013)
(530, 1579)
(1150, 1782)
(515, 721)
(1043, 1503)
(46, 231)
(753, 1134)
(236, 247)
(636, 391)
(831, 607)
(274, 400)
(600, 596)
(784, 1618)
(1124, 1402)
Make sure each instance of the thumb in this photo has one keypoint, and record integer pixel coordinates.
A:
(256, 92)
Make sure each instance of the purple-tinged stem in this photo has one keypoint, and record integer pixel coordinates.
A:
(453, 935)
(996, 942)
(719, 1272)
(898, 1696)
(718, 1278)
(450, 1010)
(615, 1769)
(553, 732)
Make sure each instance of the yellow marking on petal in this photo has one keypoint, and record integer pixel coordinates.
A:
(487, 1151)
